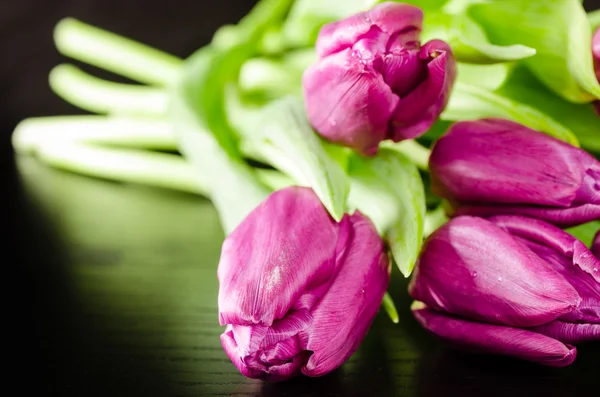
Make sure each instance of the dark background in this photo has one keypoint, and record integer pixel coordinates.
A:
(110, 289)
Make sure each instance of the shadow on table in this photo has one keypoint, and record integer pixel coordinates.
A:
(449, 372)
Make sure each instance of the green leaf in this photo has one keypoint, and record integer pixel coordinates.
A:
(489, 77)
(585, 232)
(468, 40)
(594, 19)
(581, 119)
(389, 190)
(265, 16)
(469, 102)
(198, 112)
(282, 135)
(559, 31)
(390, 308)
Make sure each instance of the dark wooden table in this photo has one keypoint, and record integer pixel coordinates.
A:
(117, 294)
(111, 288)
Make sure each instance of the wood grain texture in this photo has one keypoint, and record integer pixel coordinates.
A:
(123, 302)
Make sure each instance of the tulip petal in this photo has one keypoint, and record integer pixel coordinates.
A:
(570, 332)
(403, 70)
(550, 236)
(344, 315)
(563, 217)
(348, 102)
(418, 110)
(496, 339)
(276, 363)
(596, 245)
(596, 53)
(564, 253)
(475, 269)
(497, 166)
(391, 18)
(284, 248)
(289, 326)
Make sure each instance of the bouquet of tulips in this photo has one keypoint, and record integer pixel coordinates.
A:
(458, 138)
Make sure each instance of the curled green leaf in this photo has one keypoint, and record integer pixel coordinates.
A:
(469, 41)
(559, 31)
(281, 135)
(581, 119)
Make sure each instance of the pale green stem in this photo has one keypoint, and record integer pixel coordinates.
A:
(125, 165)
(416, 153)
(131, 132)
(262, 74)
(137, 166)
(100, 96)
(115, 53)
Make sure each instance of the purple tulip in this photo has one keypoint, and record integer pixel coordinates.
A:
(572, 260)
(596, 245)
(298, 291)
(528, 294)
(494, 166)
(374, 80)
(596, 57)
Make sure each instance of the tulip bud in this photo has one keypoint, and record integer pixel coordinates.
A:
(525, 295)
(573, 261)
(494, 166)
(374, 81)
(287, 273)
(596, 52)
(596, 57)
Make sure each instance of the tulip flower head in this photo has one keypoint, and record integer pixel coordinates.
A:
(494, 166)
(596, 57)
(596, 52)
(298, 291)
(374, 81)
(531, 296)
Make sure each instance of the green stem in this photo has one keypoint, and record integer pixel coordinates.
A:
(124, 165)
(416, 153)
(101, 96)
(135, 166)
(262, 74)
(32, 133)
(433, 220)
(115, 53)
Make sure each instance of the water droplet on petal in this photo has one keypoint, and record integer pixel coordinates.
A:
(474, 274)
